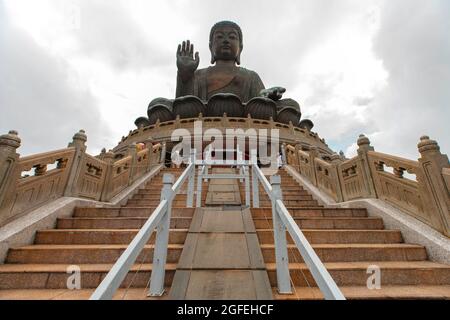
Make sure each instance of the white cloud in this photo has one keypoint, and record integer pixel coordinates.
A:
(375, 67)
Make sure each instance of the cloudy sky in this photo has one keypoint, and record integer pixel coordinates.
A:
(376, 67)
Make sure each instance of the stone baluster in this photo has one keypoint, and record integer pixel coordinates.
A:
(163, 153)
(283, 154)
(313, 154)
(9, 158)
(101, 156)
(132, 151)
(109, 159)
(431, 182)
(336, 161)
(296, 163)
(367, 182)
(79, 143)
(149, 145)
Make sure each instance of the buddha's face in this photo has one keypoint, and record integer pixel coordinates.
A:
(226, 44)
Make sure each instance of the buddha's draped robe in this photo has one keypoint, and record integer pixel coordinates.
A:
(246, 84)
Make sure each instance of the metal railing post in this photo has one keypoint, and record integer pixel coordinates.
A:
(255, 187)
(191, 183)
(199, 186)
(162, 241)
(247, 186)
(279, 234)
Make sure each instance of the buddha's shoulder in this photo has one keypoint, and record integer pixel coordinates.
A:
(249, 72)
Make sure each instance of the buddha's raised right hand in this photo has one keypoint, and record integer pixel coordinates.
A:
(186, 63)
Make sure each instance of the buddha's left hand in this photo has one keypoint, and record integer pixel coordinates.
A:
(274, 93)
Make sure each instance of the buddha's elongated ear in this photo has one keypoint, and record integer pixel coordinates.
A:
(213, 58)
(238, 59)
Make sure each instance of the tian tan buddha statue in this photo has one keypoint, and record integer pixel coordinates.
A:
(224, 87)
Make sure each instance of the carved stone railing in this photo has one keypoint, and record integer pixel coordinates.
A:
(162, 131)
(30, 182)
(419, 188)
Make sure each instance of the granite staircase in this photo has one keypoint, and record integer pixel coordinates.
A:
(93, 239)
(348, 241)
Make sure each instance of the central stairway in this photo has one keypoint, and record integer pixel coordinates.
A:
(221, 259)
(346, 240)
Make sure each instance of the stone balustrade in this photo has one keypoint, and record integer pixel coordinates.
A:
(162, 131)
(419, 188)
(27, 183)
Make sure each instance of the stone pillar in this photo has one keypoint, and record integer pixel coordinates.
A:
(163, 153)
(149, 145)
(101, 156)
(9, 143)
(132, 151)
(79, 143)
(298, 147)
(313, 154)
(283, 153)
(109, 159)
(363, 163)
(336, 161)
(437, 202)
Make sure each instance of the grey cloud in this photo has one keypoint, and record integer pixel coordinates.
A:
(414, 45)
(108, 32)
(412, 42)
(39, 98)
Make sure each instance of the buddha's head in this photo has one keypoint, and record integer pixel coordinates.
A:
(226, 42)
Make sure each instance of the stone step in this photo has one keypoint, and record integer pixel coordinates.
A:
(157, 196)
(83, 254)
(151, 189)
(153, 203)
(327, 223)
(83, 294)
(353, 252)
(55, 276)
(363, 293)
(313, 212)
(265, 236)
(287, 198)
(101, 236)
(355, 273)
(285, 188)
(125, 212)
(117, 223)
(290, 203)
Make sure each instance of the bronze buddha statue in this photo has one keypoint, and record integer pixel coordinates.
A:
(224, 87)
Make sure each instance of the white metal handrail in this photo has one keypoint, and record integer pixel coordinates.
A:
(320, 274)
(204, 175)
(159, 220)
(282, 222)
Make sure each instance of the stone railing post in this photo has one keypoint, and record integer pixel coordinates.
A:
(132, 151)
(296, 163)
(149, 145)
(9, 143)
(283, 154)
(108, 157)
(437, 202)
(364, 147)
(79, 143)
(313, 154)
(335, 161)
(101, 156)
(163, 154)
